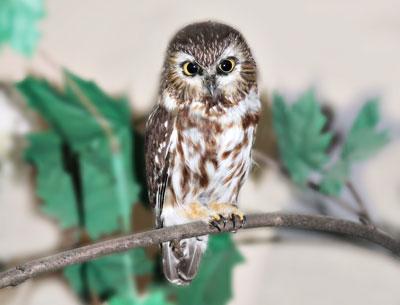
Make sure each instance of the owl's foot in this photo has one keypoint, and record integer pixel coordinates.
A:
(222, 213)
(196, 211)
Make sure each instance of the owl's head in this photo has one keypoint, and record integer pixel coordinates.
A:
(209, 63)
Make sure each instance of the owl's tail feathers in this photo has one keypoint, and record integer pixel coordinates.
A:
(181, 259)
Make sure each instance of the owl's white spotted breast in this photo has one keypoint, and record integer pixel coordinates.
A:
(210, 156)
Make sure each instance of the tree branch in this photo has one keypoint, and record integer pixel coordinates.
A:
(20, 273)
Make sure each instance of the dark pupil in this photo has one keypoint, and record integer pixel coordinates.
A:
(226, 66)
(192, 68)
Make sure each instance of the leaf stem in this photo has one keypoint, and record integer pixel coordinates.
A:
(363, 212)
(266, 160)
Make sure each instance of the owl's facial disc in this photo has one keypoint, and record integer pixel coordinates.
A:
(208, 63)
(210, 81)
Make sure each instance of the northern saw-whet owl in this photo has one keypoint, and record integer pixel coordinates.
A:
(199, 137)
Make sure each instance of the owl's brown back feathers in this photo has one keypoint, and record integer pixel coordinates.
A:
(158, 131)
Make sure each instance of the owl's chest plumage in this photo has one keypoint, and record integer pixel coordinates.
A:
(210, 157)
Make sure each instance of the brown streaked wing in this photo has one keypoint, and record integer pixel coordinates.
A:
(157, 138)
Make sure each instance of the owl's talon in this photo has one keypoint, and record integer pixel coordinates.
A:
(219, 221)
(222, 213)
(244, 221)
(233, 219)
(224, 220)
(238, 221)
(215, 224)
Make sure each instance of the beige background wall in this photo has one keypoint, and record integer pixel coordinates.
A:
(347, 49)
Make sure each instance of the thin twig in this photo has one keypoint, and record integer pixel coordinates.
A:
(363, 213)
(58, 261)
(268, 161)
(345, 205)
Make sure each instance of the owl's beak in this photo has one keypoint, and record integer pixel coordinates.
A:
(210, 84)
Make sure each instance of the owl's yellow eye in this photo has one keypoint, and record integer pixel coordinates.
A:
(227, 65)
(190, 68)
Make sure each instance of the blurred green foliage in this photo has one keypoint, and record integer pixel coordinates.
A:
(363, 140)
(77, 141)
(303, 141)
(19, 24)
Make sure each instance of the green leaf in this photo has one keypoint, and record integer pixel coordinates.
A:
(19, 24)
(302, 143)
(101, 171)
(106, 276)
(70, 119)
(334, 178)
(53, 183)
(115, 110)
(363, 140)
(100, 188)
(213, 284)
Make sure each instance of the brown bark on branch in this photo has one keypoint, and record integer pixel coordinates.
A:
(20, 273)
